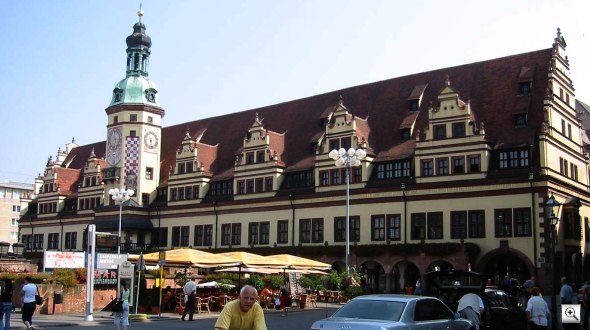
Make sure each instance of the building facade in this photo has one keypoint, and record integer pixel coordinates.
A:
(460, 165)
(14, 200)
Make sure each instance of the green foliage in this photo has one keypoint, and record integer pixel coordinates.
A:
(37, 278)
(255, 281)
(353, 291)
(68, 277)
(225, 284)
(274, 281)
(312, 282)
(335, 281)
(180, 279)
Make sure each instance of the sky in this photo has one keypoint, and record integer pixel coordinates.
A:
(60, 60)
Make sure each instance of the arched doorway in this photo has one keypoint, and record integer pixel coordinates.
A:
(403, 274)
(338, 266)
(372, 277)
(500, 265)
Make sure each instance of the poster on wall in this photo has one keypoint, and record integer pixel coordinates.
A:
(105, 277)
(56, 259)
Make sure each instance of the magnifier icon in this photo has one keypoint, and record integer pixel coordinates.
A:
(570, 312)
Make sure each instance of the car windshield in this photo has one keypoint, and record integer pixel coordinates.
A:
(372, 309)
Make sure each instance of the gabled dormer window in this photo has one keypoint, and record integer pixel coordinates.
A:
(514, 158)
(520, 120)
(117, 94)
(414, 105)
(338, 143)
(405, 134)
(260, 156)
(524, 87)
(250, 158)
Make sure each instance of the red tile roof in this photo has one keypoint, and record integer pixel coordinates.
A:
(491, 87)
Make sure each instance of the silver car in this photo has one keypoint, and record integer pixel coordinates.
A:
(389, 311)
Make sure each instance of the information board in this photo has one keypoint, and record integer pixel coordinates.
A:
(126, 270)
(294, 283)
(56, 259)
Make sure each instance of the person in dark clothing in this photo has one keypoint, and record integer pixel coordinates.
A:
(6, 304)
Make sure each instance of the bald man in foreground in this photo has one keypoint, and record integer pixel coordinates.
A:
(243, 313)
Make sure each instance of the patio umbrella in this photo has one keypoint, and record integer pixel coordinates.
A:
(295, 262)
(248, 259)
(191, 257)
(249, 270)
(213, 284)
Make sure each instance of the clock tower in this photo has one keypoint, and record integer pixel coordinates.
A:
(134, 125)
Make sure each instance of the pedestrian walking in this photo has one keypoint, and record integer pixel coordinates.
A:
(537, 310)
(6, 305)
(284, 299)
(190, 291)
(29, 305)
(122, 317)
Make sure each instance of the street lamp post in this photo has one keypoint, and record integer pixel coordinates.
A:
(347, 159)
(120, 196)
(552, 214)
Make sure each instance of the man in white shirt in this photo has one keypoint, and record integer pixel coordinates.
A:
(190, 290)
(470, 307)
(29, 305)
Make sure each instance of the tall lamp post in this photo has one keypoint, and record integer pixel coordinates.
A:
(347, 159)
(120, 196)
(552, 213)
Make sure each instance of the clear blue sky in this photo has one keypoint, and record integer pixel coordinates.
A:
(60, 60)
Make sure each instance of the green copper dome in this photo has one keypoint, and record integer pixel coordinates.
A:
(135, 90)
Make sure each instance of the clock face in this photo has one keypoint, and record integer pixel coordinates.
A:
(114, 138)
(151, 140)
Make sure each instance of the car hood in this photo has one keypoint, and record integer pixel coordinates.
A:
(450, 285)
(346, 323)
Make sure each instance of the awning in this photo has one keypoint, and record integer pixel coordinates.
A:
(190, 257)
(110, 224)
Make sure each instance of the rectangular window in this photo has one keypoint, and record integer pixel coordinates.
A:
(503, 222)
(268, 184)
(435, 225)
(442, 166)
(394, 227)
(514, 159)
(477, 224)
(199, 231)
(133, 117)
(334, 144)
(427, 167)
(180, 235)
(259, 185)
(405, 134)
(283, 231)
(71, 241)
(264, 235)
(236, 234)
(458, 130)
(249, 158)
(357, 175)
(458, 224)
(115, 119)
(160, 237)
(149, 173)
(208, 235)
(38, 243)
(355, 228)
(335, 176)
(520, 120)
(458, 165)
(378, 227)
(418, 230)
(304, 230)
(226, 234)
(474, 164)
(339, 229)
(260, 156)
(188, 192)
(440, 132)
(524, 88)
(176, 236)
(522, 222)
(253, 233)
(241, 187)
(317, 230)
(14, 222)
(250, 186)
(324, 178)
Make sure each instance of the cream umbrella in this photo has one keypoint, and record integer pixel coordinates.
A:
(191, 257)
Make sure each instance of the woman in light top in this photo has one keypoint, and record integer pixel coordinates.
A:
(28, 309)
(122, 318)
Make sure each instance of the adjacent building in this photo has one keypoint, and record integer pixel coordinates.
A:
(14, 200)
(460, 164)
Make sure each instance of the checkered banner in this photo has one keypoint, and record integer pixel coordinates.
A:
(131, 155)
